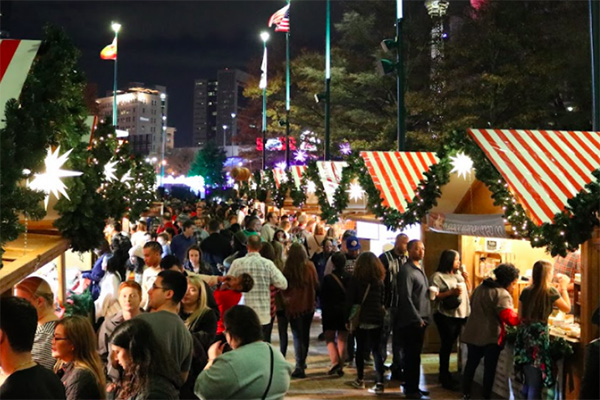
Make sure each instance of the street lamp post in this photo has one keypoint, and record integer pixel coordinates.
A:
(263, 84)
(225, 137)
(116, 27)
(233, 131)
(327, 155)
(163, 111)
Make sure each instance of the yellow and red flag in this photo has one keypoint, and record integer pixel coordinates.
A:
(110, 51)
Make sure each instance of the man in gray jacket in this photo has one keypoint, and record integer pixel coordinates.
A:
(414, 311)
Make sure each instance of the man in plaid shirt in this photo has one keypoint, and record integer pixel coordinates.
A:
(569, 266)
(265, 274)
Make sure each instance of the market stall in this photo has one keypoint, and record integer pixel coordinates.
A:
(533, 192)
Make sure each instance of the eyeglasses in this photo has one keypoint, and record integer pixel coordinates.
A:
(154, 287)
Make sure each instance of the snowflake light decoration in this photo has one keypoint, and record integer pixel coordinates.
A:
(345, 148)
(50, 180)
(355, 192)
(300, 156)
(281, 165)
(462, 165)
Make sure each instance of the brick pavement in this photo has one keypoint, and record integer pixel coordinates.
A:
(318, 385)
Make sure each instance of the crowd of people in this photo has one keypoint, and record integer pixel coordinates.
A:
(186, 308)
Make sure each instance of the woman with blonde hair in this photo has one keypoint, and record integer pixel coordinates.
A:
(299, 298)
(38, 292)
(78, 364)
(201, 321)
(532, 346)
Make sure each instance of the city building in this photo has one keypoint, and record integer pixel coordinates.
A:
(170, 140)
(216, 106)
(205, 112)
(142, 111)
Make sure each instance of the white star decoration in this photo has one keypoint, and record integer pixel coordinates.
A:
(126, 178)
(356, 191)
(109, 171)
(50, 181)
(462, 165)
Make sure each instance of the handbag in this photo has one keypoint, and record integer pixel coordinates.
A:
(450, 303)
(354, 319)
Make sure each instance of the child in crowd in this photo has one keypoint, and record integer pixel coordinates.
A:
(229, 294)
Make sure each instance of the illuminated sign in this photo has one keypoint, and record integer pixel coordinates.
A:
(275, 144)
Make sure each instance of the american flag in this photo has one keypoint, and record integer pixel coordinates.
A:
(281, 19)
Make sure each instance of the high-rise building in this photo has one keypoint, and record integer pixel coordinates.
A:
(216, 106)
(205, 112)
(140, 111)
(170, 139)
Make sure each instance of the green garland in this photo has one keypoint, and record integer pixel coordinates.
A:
(559, 347)
(426, 194)
(568, 230)
(328, 212)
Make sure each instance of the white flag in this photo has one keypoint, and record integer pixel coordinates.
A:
(263, 70)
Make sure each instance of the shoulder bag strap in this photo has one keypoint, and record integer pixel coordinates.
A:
(366, 293)
(338, 281)
(264, 396)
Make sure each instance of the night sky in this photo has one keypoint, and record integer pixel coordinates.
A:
(167, 43)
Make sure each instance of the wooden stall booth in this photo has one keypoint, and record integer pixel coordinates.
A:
(543, 171)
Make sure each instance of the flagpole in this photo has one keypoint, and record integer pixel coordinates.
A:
(287, 96)
(595, 50)
(264, 36)
(327, 155)
(400, 128)
(116, 27)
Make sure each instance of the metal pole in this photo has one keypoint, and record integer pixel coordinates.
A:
(264, 116)
(163, 99)
(115, 82)
(400, 128)
(327, 155)
(287, 97)
(595, 47)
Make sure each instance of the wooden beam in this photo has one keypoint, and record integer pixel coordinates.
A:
(590, 285)
(22, 259)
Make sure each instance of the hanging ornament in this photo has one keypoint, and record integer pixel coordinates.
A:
(356, 191)
(311, 187)
(109, 171)
(462, 165)
(50, 181)
(126, 178)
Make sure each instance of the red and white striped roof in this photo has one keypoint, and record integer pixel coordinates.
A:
(543, 169)
(297, 171)
(280, 176)
(397, 174)
(330, 173)
(16, 57)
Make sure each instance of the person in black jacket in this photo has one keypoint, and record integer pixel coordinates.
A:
(367, 284)
(333, 301)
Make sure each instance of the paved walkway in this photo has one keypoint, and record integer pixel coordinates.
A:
(318, 385)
